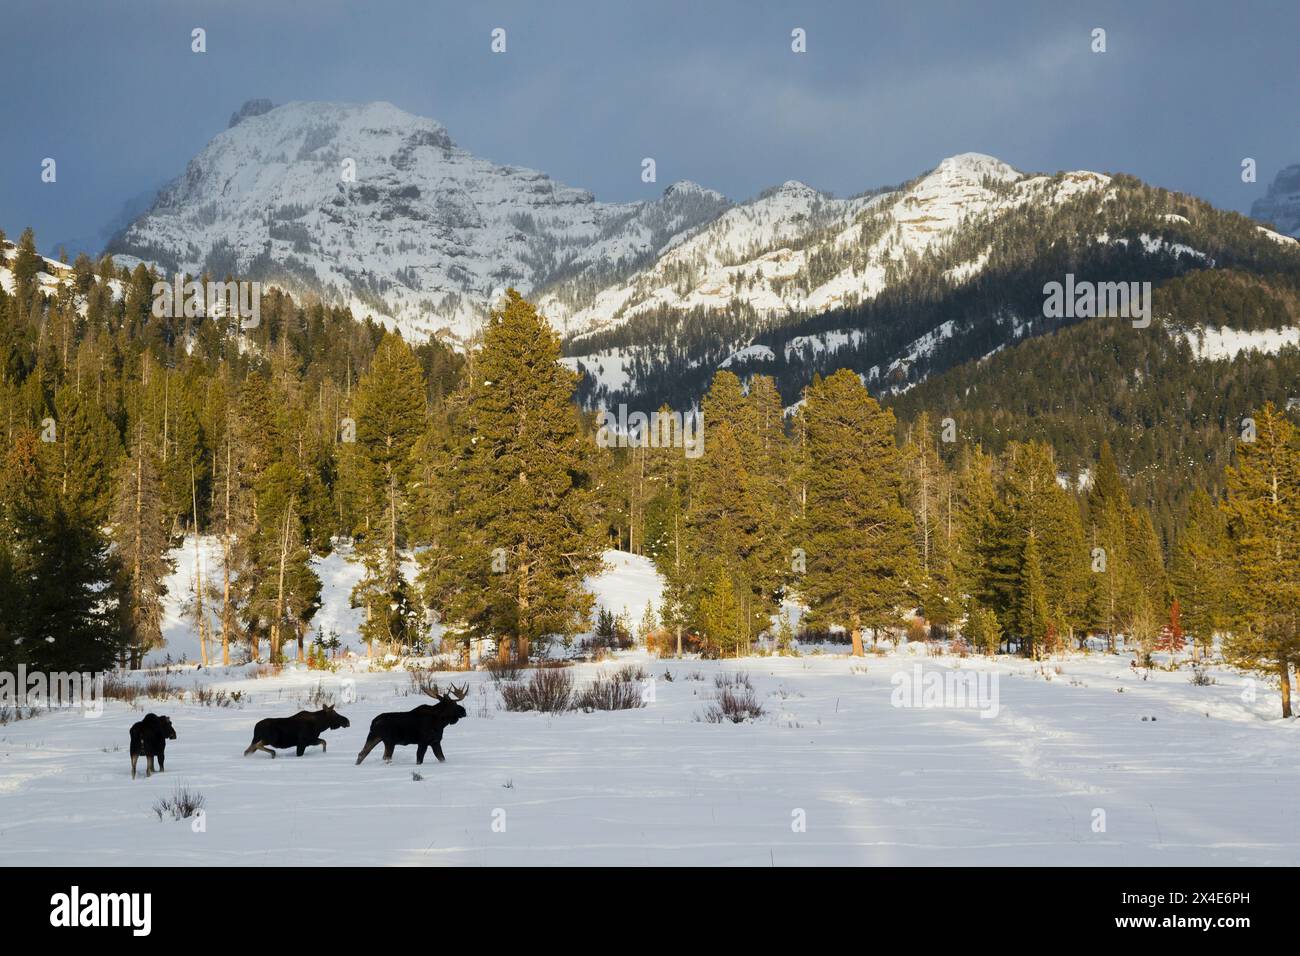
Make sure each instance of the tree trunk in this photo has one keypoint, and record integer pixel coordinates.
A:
(198, 574)
(1284, 673)
(522, 650)
(679, 640)
(225, 573)
(139, 546)
(279, 596)
(857, 642)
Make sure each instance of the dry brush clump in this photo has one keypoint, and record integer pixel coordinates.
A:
(212, 697)
(182, 804)
(422, 680)
(552, 691)
(734, 701)
(548, 690)
(618, 691)
(506, 670)
(736, 679)
(319, 697)
(18, 712)
(129, 691)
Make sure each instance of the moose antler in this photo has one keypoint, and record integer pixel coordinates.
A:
(456, 693)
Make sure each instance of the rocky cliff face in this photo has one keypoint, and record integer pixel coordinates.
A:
(1281, 207)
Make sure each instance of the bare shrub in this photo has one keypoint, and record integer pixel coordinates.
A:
(421, 679)
(618, 691)
(734, 705)
(18, 712)
(128, 691)
(182, 804)
(319, 697)
(208, 697)
(736, 679)
(548, 690)
(500, 670)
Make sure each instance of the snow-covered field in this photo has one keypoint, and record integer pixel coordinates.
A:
(1094, 763)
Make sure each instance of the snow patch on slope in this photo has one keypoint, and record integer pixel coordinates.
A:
(1211, 343)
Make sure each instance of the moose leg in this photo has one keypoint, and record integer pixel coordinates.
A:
(437, 751)
(262, 746)
(365, 751)
(302, 749)
(162, 758)
(255, 745)
(388, 753)
(419, 753)
(320, 742)
(134, 758)
(148, 765)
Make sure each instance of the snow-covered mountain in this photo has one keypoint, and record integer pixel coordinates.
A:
(372, 207)
(1281, 207)
(794, 250)
(426, 234)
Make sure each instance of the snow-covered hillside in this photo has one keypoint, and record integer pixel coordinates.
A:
(52, 276)
(795, 252)
(378, 209)
(770, 254)
(1211, 342)
(626, 585)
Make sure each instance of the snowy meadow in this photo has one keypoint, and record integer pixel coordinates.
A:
(1083, 760)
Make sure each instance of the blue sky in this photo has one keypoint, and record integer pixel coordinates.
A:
(711, 89)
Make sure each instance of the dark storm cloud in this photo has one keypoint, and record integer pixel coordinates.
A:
(711, 90)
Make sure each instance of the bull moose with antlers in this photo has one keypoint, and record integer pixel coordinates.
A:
(422, 726)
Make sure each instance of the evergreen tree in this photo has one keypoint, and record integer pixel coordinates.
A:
(390, 419)
(86, 453)
(520, 531)
(934, 513)
(394, 615)
(1032, 614)
(140, 534)
(983, 630)
(861, 561)
(66, 620)
(1200, 573)
(1262, 508)
(721, 618)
